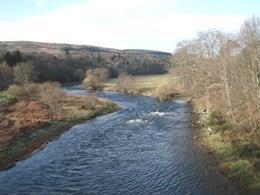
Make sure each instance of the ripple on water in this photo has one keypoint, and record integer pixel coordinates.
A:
(137, 121)
(157, 113)
(145, 148)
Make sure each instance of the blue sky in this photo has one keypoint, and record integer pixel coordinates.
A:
(146, 24)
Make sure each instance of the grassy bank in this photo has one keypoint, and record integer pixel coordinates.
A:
(158, 86)
(144, 81)
(238, 157)
(28, 125)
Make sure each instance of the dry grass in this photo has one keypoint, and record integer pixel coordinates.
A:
(160, 86)
(145, 81)
(44, 103)
(22, 116)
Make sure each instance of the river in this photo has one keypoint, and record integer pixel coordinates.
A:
(145, 148)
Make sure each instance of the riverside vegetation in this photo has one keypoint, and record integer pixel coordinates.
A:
(34, 110)
(220, 75)
(159, 86)
(31, 114)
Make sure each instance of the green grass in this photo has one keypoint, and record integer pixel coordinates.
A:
(237, 168)
(143, 81)
(241, 170)
(237, 154)
(3, 97)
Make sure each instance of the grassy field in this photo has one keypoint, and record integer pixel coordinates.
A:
(143, 81)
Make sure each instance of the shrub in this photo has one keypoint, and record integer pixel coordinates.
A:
(79, 75)
(6, 76)
(248, 150)
(215, 118)
(164, 91)
(51, 94)
(24, 73)
(48, 93)
(222, 127)
(3, 97)
(20, 92)
(257, 153)
(95, 78)
(125, 82)
(89, 103)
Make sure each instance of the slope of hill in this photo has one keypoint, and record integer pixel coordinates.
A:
(60, 61)
(61, 49)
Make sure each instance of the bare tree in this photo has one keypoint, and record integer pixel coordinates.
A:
(24, 74)
(125, 82)
(95, 78)
(222, 72)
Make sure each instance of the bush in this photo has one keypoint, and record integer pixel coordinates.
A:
(164, 91)
(95, 78)
(24, 73)
(3, 97)
(257, 153)
(248, 150)
(6, 76)
(89, 103)
(125, 83)
(222, 127)
(51, 94)
(215, 118)
(20, 92)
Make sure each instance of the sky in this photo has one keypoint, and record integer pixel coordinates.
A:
(121, 24)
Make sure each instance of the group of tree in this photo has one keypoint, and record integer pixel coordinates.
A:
(39, 68)
(222, 71)
(72, 68)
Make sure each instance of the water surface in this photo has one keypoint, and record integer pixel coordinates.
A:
(145, 148)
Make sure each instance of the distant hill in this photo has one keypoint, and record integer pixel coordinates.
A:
(66, 58)
(58, 49)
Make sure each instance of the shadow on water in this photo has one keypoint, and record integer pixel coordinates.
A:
(146, 147)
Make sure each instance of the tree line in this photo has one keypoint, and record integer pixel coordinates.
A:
(222, 72)
(70, 68)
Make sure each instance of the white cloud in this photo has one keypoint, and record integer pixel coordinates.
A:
(148, 24)
(39, 3)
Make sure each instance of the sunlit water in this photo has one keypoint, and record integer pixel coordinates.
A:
(145, 148)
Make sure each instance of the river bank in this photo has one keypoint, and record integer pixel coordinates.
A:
(236, 157)
(157, 86)
(146, 147)
(27, 126)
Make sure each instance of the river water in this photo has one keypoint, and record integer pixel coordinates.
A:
(145, 148)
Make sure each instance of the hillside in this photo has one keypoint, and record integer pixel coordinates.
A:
(65, 62)
(58, 49)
